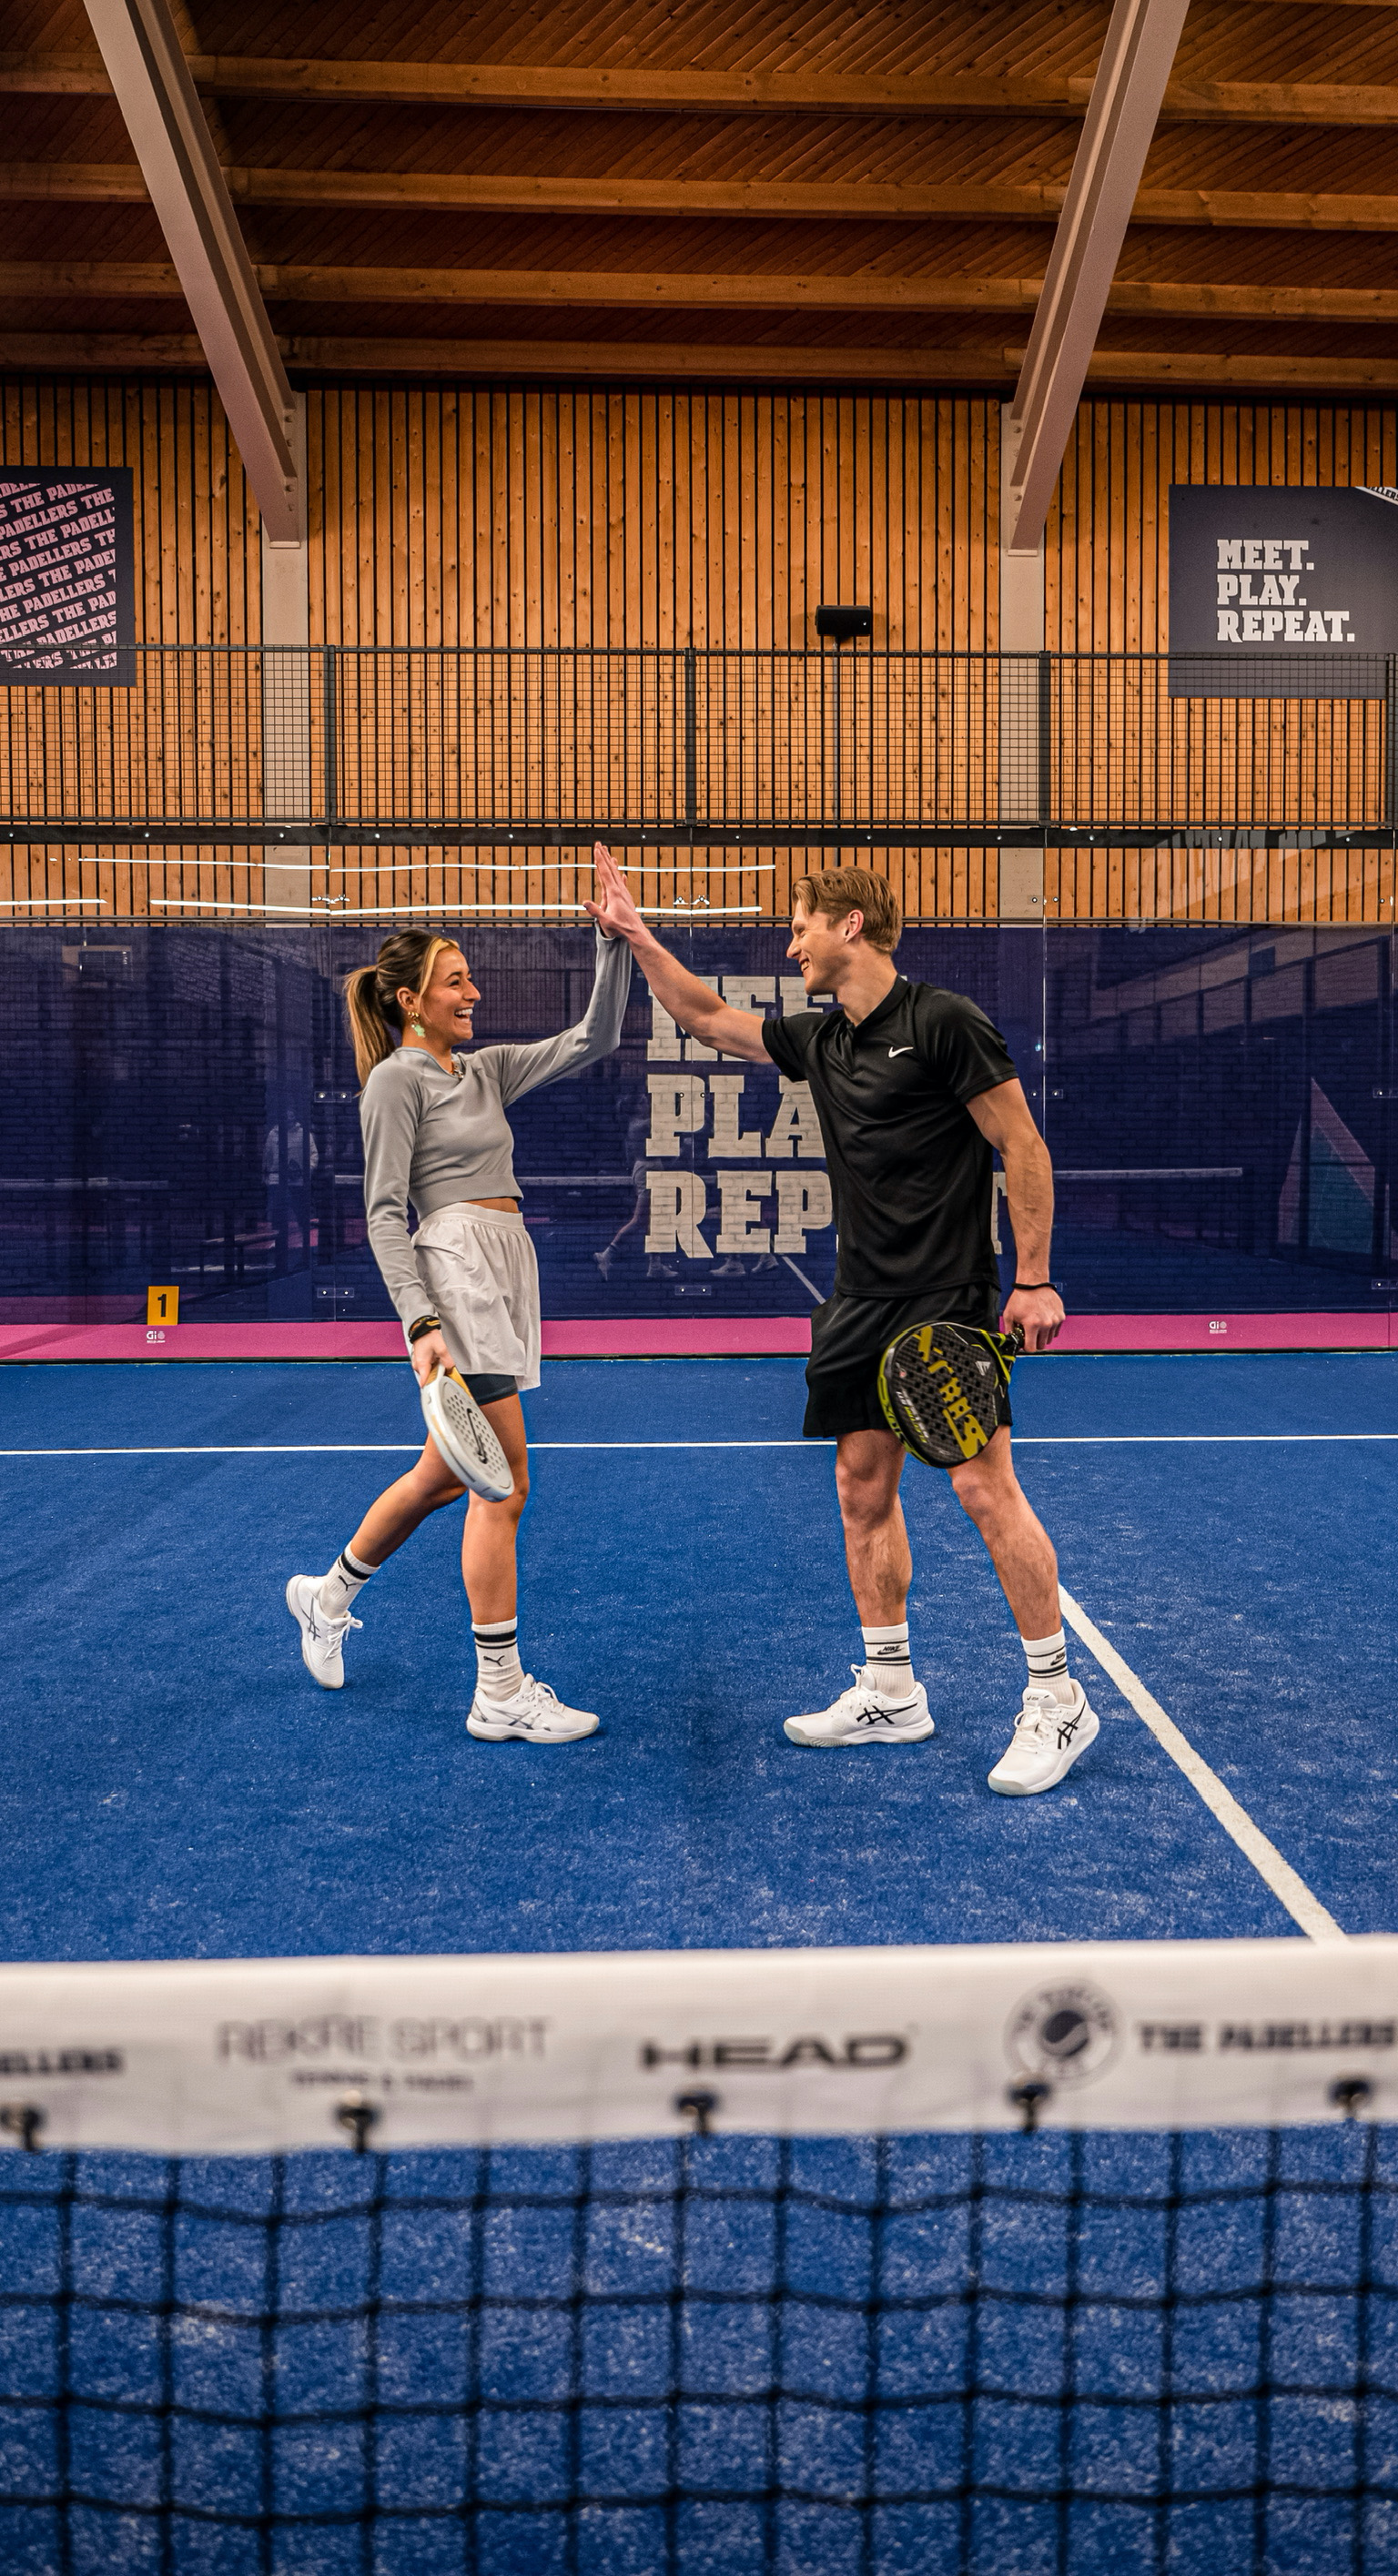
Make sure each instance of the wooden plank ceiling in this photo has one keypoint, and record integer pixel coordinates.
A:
(857, 191)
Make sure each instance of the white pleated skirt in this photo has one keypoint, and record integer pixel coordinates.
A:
(478, 1267)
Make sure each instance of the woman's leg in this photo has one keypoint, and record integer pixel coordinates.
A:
(399, 1509)
(323, 1605)
(489, 1532)
(508, 1700)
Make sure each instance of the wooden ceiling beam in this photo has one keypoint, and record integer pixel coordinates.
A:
(170, 137)
(86, 182)
(535, 85)
(532, 358)
(649, 291)
(619, 361)
(826, 94)
(646, 290)
(858, 200)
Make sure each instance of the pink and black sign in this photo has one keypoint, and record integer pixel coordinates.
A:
(67, 607)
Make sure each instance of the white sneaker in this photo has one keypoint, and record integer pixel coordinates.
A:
(861, 1716)
(322, 1639)
(1049, 1735)
(536, 1712)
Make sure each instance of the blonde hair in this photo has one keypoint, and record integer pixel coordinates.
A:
(837, 891)
(371, 992)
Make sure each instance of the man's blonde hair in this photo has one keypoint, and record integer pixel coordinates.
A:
(837, 891)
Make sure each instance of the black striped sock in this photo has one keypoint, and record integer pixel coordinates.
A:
(888, 1664)
(499, 1672)
(1047, 1658)
(341, 1587)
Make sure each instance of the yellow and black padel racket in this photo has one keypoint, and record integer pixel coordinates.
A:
(945, 1389)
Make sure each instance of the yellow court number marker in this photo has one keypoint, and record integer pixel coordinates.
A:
(162, 1306)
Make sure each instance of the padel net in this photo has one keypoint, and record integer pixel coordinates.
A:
(954, 2259)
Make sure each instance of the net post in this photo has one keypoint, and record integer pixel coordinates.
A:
(22, 2120)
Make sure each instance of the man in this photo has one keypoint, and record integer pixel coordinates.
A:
(913, 1088)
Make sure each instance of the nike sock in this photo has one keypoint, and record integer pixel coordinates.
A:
(341, 1587)
(499, 1672)
(888, 1665)
(1048, 1664)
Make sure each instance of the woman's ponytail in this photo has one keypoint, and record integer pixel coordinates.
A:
(368, 1027)
(371, 993)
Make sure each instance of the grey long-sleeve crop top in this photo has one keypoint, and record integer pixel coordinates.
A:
(433, 1137)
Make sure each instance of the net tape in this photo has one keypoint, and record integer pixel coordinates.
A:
(260, 2056)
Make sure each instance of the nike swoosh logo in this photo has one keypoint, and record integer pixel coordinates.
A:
(900, 1051)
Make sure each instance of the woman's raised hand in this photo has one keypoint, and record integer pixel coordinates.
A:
(615, 911)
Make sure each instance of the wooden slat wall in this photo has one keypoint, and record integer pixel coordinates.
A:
(581, 516)
(198, 541)
(1106, 585)
(578, 517)
(1106, 555)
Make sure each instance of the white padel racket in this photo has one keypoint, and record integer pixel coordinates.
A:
(464, 1437)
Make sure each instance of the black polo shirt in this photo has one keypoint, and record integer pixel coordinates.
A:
(910, 1171)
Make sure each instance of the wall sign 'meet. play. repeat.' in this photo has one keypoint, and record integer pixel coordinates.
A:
(1290, 591)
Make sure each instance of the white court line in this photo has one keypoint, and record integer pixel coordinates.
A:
(392, 1448)
(1025, 1440)
(1290, 1890)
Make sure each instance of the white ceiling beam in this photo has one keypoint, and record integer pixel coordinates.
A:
(1121, 119)
(158, 100)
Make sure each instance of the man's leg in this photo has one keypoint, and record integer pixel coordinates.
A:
(1055, 1723)
(868, 1465)
(1021, 1550)
(886, 1704)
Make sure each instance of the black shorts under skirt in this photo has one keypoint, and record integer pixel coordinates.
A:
(849, 1336)
(487, 1389)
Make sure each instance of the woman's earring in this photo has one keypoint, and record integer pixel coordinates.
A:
(417, 1028)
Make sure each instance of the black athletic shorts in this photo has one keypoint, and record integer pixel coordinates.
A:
(849, 1336)
(487, 1389)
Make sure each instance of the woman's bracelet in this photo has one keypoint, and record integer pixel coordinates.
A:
(424, 1324)
(1027, 1284)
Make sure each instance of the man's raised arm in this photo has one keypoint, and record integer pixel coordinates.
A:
(691, 1003)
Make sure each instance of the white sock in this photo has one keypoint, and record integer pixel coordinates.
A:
(888, 1665)
(499, 1672)
(1048, 1664)
(341, 1587)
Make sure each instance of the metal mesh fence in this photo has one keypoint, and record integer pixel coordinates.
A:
(347, 780)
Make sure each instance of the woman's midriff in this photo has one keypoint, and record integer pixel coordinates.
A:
(509, 1205)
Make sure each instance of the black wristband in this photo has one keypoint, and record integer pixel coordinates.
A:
(424, 1324)
(1028, 1284)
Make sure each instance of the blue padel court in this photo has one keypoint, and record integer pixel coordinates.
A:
(177, 1787)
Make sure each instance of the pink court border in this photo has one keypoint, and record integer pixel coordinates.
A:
(666, 1337)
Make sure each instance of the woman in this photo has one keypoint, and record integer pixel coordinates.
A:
(466, 1285)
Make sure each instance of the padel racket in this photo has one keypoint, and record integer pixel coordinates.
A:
(464, 1437)
(945, 1389)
